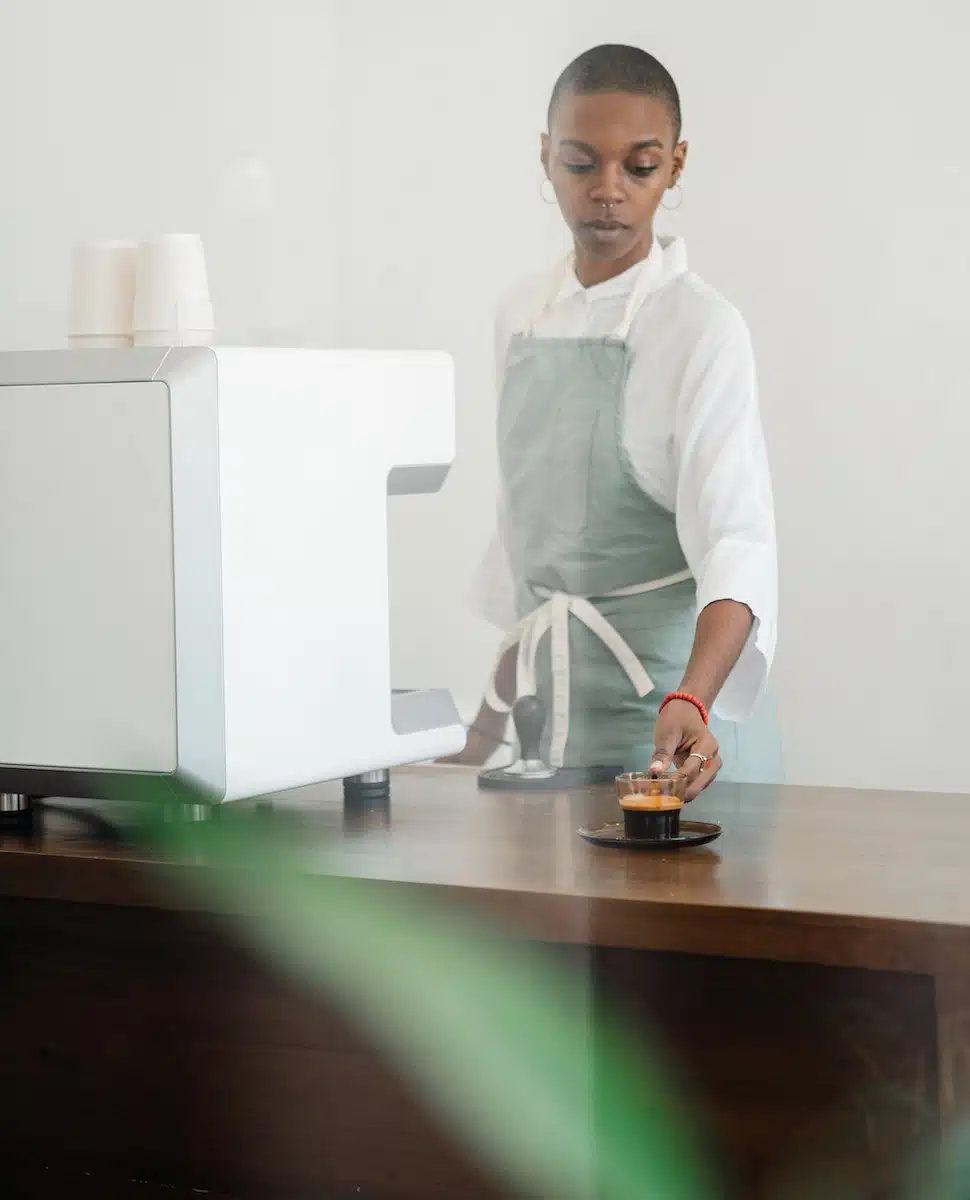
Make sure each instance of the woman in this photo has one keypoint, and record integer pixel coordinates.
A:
(635, 563)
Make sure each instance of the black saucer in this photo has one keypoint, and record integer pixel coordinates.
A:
(692, 833)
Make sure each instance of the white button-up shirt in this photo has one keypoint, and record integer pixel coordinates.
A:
(691, 430)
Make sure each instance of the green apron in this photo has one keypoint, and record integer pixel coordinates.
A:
(606, 600)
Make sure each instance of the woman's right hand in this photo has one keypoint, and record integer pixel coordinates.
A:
(478, 750)
(485, 735)
(487, 732)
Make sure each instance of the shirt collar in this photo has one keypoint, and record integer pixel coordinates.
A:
(621, 285)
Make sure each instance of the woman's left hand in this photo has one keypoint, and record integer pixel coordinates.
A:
(679, 738)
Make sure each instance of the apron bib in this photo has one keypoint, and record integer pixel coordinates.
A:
(607, 604)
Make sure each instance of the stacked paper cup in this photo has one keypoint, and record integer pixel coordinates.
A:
(102, 295)
(172, 305)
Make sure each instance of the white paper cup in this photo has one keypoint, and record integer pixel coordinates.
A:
(94, 341)
(102, 289)
(174, 337)
(171, 285)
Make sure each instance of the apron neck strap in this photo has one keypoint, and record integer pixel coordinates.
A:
(645, 282)
(559, 277)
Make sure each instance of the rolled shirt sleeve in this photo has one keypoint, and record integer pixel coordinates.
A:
(724, 504)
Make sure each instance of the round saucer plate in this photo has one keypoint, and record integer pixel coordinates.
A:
(692, 833)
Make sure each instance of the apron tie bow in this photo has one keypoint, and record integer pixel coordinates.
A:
(552, 617)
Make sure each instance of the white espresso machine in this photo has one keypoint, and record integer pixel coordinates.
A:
(195, 566)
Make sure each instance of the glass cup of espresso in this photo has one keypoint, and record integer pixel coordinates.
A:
(651, 803)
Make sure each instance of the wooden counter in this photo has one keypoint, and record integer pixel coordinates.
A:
(810, 971)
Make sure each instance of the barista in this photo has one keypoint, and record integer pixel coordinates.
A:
(633, 569)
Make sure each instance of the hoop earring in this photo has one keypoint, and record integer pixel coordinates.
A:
(542, 191)
(680, 198)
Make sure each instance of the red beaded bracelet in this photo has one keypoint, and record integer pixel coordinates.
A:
(689, 699)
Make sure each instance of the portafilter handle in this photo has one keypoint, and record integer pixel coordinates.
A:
(529, 718)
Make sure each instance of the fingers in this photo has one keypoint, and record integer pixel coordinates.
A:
(691, 756)
(688, 745)
(666, 746)
(703, 777)
(699, 762)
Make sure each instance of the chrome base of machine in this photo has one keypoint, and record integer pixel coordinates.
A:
(12, 803)
(370, 785)
(18, 812)
(191, 813)
(367, 802)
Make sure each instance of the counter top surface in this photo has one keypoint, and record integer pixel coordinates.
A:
(819, 856)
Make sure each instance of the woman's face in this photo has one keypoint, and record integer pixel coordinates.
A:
(610, 157)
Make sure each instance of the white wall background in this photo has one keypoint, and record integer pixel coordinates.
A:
(366, 174)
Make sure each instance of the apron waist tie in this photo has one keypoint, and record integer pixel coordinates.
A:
(552, 617)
